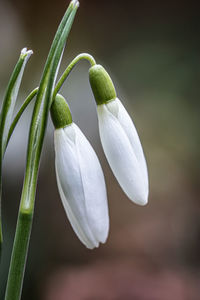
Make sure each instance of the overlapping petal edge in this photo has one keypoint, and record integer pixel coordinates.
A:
(123, 150)
(81, 186)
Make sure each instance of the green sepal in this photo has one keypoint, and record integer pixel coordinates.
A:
(60, 112)
(101, 84)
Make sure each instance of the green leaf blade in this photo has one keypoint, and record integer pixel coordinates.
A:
(10, 98)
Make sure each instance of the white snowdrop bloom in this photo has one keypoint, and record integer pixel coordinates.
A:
(81, 184)
(123, 150)
(119, 138)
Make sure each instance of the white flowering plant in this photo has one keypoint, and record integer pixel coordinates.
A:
(79, 175)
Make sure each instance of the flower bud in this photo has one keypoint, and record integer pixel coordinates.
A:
(81, 185)
(123, 150)
(101, 84)
(80, 178)
(119, 138)
(60, 112)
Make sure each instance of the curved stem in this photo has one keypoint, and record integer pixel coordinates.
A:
(70, 67)
(20, 112)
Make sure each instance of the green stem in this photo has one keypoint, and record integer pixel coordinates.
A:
(7, 112)
(22, 237)
(10, 99)
(12, 127)
(35, 143)
(20, 112)
(70, 67)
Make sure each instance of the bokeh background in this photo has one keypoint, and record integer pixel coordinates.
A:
(151, 49)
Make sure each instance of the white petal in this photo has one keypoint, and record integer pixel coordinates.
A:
(131, 132)
(78, 171)
(94, 188)
(121, 154)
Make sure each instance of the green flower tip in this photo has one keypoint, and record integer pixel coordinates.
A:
(101, 84)
(25, 54)
(60, 112)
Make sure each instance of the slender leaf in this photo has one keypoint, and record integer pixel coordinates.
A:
(36, 137)
(11, 97)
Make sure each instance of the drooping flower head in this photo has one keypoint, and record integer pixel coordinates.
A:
(119, 138)
(80, 178)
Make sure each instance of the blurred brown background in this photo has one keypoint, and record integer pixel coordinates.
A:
(151, 49)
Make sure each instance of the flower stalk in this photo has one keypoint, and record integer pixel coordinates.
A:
(70, 67)
(28, 99)
(7, 113)
(35, 143)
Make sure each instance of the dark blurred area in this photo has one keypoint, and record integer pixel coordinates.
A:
(151, 49)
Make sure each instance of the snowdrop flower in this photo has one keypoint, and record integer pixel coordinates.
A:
(80, 178)
(119, 138)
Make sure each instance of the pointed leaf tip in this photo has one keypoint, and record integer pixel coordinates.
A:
(75, 3)
(26, 53)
